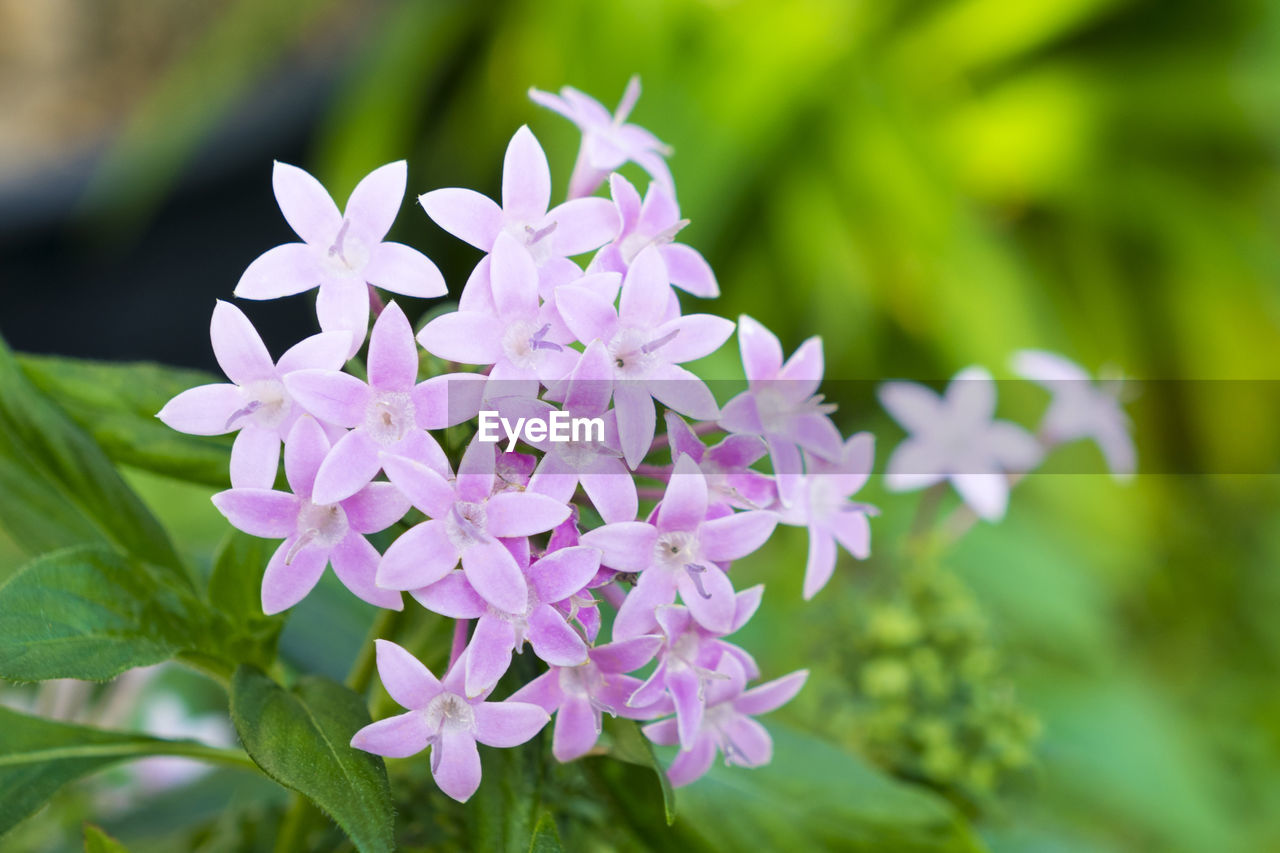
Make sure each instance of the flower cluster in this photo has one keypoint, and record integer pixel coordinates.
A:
(532, 546)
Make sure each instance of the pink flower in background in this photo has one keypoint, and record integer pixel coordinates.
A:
(256, 402)
(549, 236)
(580, 695)
(727, 466)
(342, 253)
(654, 222)
(440, 716)
(727, 724)
(685, 556)
(956, 437)
(822, 504)
(1080, 409)
(646, 347)
(781, 403)
(385, 414)
(553, 578)
(315, 534)
(466, 519)
(608, 141)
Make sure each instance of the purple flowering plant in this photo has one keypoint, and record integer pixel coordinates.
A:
(574, 583)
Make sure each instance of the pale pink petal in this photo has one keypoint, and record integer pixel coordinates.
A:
(582, 225)
(259, 512)
(508, 724)
(337, 398)
(343, 306)
(553, 640)
(683, 391)
(449, 399)
(239, 349)
(663, 732)
(637, 420)
(761, 351)
(627, 201)
(986, 494)
(393, 354)
(914, 406)
(710, 598)
(493, 573)
(577, 730)
(347, 468)
(455, 764)
(771, 695)
(686, 692)
(488, 654)
(421, 556)
(752, 746)
(465, 214)
(741, 415)
(913, 465)
(611, 490)
(690, 765)
(355, 562)
(406, 678)
(1012, 447)
(696, 335)
(325, 351)
(452, 596)
(288, 578)
(821, 563)
(737, 535)
(304, 451)
(375, 507)
(255, 458)
(971, 396)
(853, 531)
(526, 178)
(543, 691)
(816, 433)
(306, 205)
(626, 546)
(203, 410)
(394, 737)
(375, 201)
(563, 573)
(1047, 367)
(513, 278)
(737, 451)
(424, 487)
(645, 290)
(476, 472)
(282, 271)
(589, 315)
(591, 382)
(689, 271)
(401, 269)
(626, 655)
(684, 504)
(636, 615)
(803, 371)
(468, 337)
(523, 513)
(554, 479)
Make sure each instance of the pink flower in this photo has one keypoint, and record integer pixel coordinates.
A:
(441, 717)
(580, 695)
(315, 534)
(255, 402)
(655, 222)
(727, 725)
(646, 345)
(822, 504)
(608, 141)
(727, 466)
(555, 577)
(1080, 409)
(466, 521)
(386, 415)
(680, 552)
(342, 253)
(569, 229)
(955, 437)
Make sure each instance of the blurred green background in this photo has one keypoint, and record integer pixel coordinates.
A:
(926, 185)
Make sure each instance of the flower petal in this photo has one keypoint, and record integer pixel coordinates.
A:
(375, 201)
(343, 306)
(488, 654)
(696, 336)
(771, 695)
(304, 452)
(636, 615)
(554, 640)
(395, 737)
(325, 351)
(452, 596)
(735, 536)
(466, 214)
(513, 278)
(455, 764)
(913, 405)
(393, 354)
(508, 724)
(347, 468)
(986, 494)
(611, 490)
(425, 488)
(577, 729)
(645, 290)
(406, 678)
(401, 269)
(469, 337)
(239, 349)
(422, 555)
(761, 350)
(282, 271)
(255, 458)
(203, 410)
(626, 545)
(588, 314)
(582, 225)
(306, 205)
(710, 599)
(684, 504)
(689, 271)
(637, 421)
(821, 563)
(523, 513)
(287, 580)
(560, 574)
(691, 764)
(355, 562)
(259, 512)
(476, 472)
(375, 507)
(493, 573)
(526, 178)
(333, 397)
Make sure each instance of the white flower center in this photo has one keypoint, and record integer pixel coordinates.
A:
(318, 525)
(675, 549)
(266, 404)
(347, 255)
(465, 524)
(389, 417)
(635, 352)
(449, 712)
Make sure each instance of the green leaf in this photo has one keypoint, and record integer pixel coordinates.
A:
(627, 743)
(90, 613)
(244, 631)
(546, 838)
(57, 488)
(37, 757)
(501, 814)
(814, 796)
(301, 738)
(116, 404)
(97, 841)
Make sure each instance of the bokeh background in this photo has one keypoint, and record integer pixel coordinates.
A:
(926, 185)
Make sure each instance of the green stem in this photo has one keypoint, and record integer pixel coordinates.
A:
(384, 627)
(142, 749)
(291, 826)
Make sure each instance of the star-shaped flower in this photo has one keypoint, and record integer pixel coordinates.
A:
(255, 402)
(386, 415)
(822, 504)
(466, 521)
(726, 465)
(654, 222)
(342, 253)
(315, 534)
(727, 725)
(956, 437)
(608, 141)
(572, 228)
(441, 716)
(1080, 409)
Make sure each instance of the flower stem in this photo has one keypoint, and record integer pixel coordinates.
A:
(362, 670)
